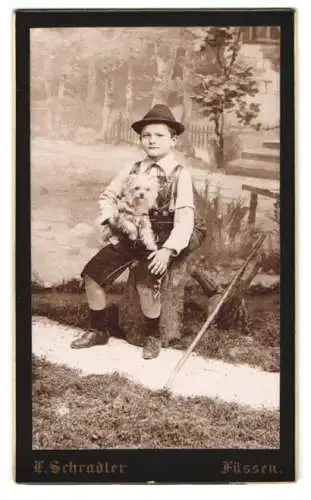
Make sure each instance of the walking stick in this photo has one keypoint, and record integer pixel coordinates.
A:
(214, 313)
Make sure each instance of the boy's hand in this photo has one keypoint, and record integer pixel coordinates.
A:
(109, 222)
(160, 260)
(112, 222)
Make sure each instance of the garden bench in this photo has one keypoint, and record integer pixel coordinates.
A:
(254, 193)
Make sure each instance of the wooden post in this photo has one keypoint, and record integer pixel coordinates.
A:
(118, 126)
(115, 132)
(200, 137)
(128, 135)
(252, 208)
(191, 134)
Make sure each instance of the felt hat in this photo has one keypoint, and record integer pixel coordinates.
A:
(159, 114)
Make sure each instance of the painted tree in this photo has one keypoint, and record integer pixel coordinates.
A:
(53, 67)
(99, 51)
(175, 63)
(107, 71)
(80, 63)
(229, 86)
(119, 55)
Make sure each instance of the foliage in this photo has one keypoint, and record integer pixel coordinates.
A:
(228, 234)
(228, 87)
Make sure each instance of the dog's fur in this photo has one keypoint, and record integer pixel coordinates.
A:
(131, 218)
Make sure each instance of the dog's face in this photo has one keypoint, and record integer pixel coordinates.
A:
(141, 191)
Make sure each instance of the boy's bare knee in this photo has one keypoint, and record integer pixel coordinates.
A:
(95, 293)
(90, 283)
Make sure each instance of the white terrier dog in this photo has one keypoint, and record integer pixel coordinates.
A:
(131, 218)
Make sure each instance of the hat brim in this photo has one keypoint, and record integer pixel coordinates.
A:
(139, 125)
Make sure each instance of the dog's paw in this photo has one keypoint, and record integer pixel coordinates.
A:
(114, 240)
(132, 236)
(152, 247)
(132, 233)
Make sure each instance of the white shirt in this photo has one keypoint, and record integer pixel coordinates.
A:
(184, 206)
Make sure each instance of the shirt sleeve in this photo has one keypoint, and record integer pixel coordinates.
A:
(181, 233)
(184, 196)
(108, 198)
(184, 214)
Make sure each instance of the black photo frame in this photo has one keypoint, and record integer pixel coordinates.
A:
(168, 466)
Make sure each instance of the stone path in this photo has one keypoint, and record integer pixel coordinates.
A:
(241, 384)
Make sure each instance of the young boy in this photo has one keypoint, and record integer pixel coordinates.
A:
(172, 222)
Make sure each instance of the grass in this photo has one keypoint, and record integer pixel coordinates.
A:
(99, 412)
(262, 351)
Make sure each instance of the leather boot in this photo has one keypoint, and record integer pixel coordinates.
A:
(152, 343)
(97, 333)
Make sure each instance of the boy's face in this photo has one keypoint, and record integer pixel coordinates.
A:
(156, 140)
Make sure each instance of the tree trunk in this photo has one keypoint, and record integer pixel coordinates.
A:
(184, 143)
(221, 140)
(208, 285)
(164, 73)
(91, 81)
(157, 91)
(216, 120)
(102, 134)
(129, 90)
(158, 96)
(57, 120)
(49, 109)
(172, 304)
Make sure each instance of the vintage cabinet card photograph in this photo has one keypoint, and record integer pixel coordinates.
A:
(154, 246)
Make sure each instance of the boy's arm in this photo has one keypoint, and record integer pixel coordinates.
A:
(184, 215)
(182, 230)
(108, 198)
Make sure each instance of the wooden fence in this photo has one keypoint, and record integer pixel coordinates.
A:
(117, 131)
(121, 131)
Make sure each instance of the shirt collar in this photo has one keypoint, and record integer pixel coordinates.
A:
(167, 163)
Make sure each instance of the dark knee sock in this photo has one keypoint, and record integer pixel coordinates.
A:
(152, 327)
(98, 320)
(107, 320)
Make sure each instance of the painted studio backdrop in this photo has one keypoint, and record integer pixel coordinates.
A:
(88, 85)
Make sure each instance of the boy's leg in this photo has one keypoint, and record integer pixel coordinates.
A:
(96, 295)
(163, 314)
(98, 333)
(150, 305)
(151, 309)
(102, 270)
